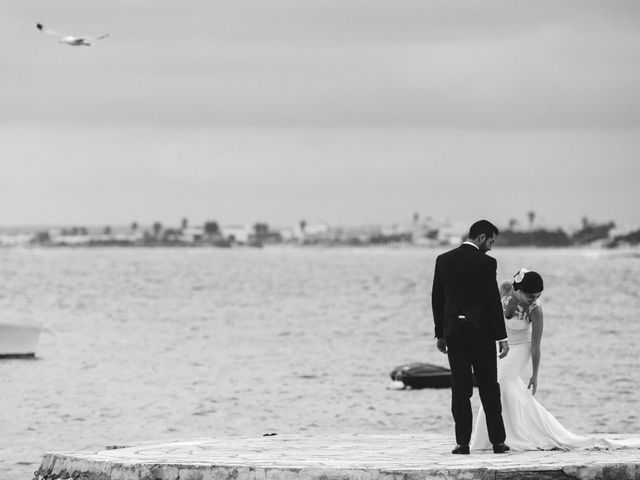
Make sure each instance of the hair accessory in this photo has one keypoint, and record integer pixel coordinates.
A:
(528, 281)
(518, 277)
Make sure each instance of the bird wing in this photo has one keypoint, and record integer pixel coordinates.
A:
(40, 27)
(98, 37)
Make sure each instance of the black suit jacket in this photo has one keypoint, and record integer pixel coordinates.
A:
(464, 283)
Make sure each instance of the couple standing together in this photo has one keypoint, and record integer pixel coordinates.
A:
(472, 314)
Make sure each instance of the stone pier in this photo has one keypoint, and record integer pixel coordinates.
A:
(334, 457)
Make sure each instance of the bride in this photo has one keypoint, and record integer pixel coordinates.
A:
(528, 425)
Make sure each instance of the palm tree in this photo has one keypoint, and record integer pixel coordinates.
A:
(157, 228)
(532, 217)
(261, 229)
(211, 228)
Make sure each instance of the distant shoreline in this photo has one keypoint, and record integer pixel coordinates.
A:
(633, 249)
(415, 234)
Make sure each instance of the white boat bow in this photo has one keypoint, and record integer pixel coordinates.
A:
(18, 340)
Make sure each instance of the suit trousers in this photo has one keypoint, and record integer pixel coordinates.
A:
(471, 350)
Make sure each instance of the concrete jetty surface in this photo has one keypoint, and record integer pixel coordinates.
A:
(333, 457)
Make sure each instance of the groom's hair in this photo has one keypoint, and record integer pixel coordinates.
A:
(483, 226)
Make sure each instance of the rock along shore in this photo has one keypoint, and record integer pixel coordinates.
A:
(333, 457)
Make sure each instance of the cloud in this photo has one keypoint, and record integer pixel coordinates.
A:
(345, 63)
(345, 176)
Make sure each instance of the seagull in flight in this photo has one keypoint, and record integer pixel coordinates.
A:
(70, 40)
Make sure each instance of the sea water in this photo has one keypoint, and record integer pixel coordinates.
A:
(177, 343)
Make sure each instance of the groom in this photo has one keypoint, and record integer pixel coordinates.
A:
(468, 321)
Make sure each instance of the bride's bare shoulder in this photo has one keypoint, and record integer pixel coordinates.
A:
(506, 288)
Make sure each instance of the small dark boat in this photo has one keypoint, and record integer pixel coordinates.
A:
(422, 375)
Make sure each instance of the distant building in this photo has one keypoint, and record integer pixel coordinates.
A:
(16, 239)
(191, 234)
(70, 237)
(288, 234)
(237, 233)
(312, 232)
(452, 233)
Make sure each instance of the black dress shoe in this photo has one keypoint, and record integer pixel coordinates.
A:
(500, 448)
(461, 450)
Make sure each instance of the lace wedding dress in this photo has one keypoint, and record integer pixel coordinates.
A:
(528, 425)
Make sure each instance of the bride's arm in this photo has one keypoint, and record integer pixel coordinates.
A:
(537, 325)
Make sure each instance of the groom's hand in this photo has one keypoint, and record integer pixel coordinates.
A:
(504, 348)
(441, 343)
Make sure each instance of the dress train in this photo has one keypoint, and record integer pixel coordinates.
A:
(528, 425)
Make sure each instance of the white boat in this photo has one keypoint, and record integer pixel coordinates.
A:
(18, 340)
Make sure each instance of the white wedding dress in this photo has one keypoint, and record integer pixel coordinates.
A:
(528, 425)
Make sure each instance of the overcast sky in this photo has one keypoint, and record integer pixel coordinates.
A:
(338, 110)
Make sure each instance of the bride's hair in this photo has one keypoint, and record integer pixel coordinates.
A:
(528, 281)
